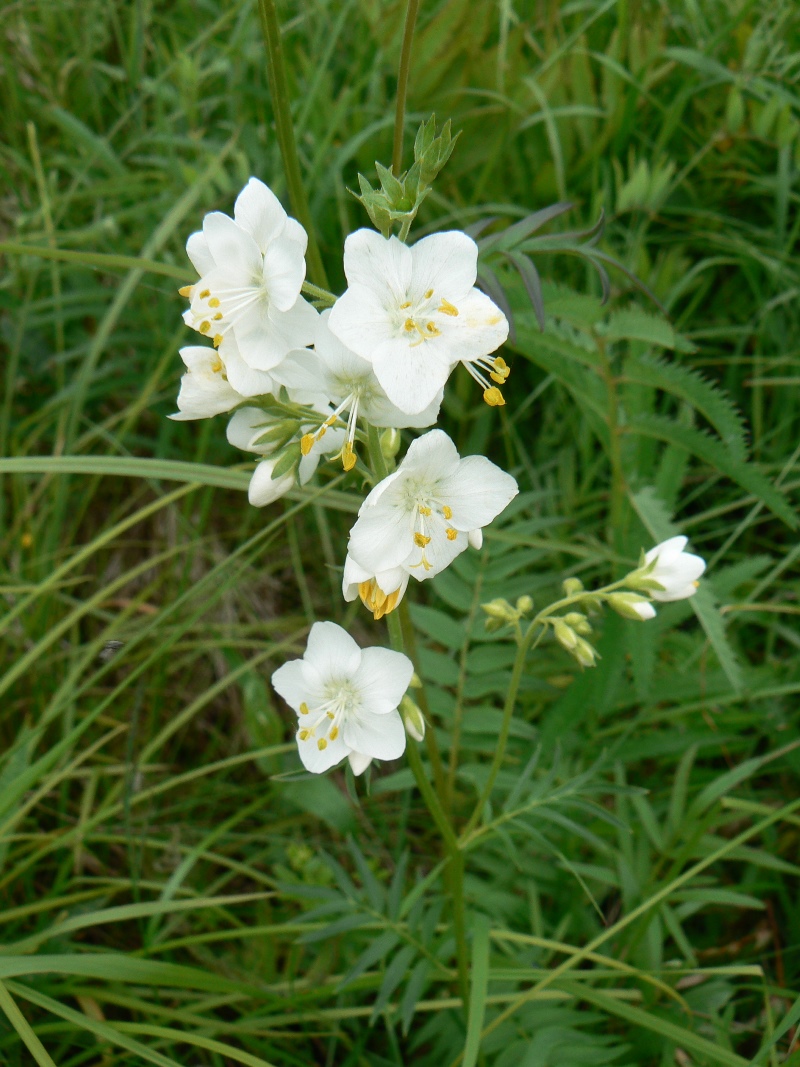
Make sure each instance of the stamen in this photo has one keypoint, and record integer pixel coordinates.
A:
(501, 371)
(218, 339)
(420, 540)
(429, 294)
(322, 744)
(348, 456)
(307, 443)
(205, 326)
(375, 600)
(304, 735)
(447, 308)
(447, 512)
(185, 290)
(451, 533)
(304, 708)
(205, 293)
(216, 366)
(409, 325)
(493, 397)
(406, 305)
(432, 329)
(333, 733)
(218, 316)
(423, 510)
(214, 302)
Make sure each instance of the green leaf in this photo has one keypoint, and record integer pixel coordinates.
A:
(480, 982)
(633, 324)
(718, 456)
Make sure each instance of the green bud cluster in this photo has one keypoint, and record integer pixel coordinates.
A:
(567, 630)
(500, 613)
(398, 198)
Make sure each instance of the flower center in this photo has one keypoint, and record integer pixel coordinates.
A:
(426, 511)
(214, 313)
(422, 321)
(323, 722)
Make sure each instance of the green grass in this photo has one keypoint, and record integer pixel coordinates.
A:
(172, 890)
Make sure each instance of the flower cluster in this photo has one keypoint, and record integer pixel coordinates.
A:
(304, 384)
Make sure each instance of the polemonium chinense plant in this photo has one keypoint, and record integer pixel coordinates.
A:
(355, 385)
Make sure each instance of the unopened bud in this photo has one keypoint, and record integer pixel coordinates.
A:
(579, 623)
(631, 606)
(499, 609)
(565, 635)
(572, 586)
(390, 442)
(584, 653)
(416, 681)
(413, 719)
(493, 625)
(524, 604)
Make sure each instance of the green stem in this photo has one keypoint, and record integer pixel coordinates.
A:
(279, 91)
(402, 85)
(616, 510)
(434, 756)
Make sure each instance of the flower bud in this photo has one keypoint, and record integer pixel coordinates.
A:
(631, 606)
(416, 681)
(524, 604)
(579, 623)
(584, 653)
(565, 635)
(500, 609)
(413, 719)
(572, 586)
(390, 443)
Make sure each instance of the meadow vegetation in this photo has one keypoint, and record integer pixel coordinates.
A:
(172, 890)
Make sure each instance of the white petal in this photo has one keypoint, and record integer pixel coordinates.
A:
(245, 428)
(301, 376)
(353, 577)
(380, 265)
(475, 538)
(359, 762)
(477, 492)
(244, 378)
(382, 679)
(439, 552)
(293, 231)
(263, 488)
(259, 212)
(319, 760)
(230, 246)
(382, 412)
(431, 456)
(289, 681)
(672, 544)
(381, 538)
(332, 652)
(411, 377)
(673, 592)
(481, 327)
(199, 253)
(360, 320)
(379, 736)
(445, 262)
(305, 469)
(204, 392)
(284, 273)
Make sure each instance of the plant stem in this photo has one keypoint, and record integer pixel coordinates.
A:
(279, 91)
(402, 85)
(616, 510)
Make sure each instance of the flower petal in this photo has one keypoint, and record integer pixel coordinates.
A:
(332, 652)
(284, 272)
(289, 682)
(244, 378)
(361, 322)
(263, 488)
(259, 213)
(672, 544)
(411, 377)
(199, 253)
(445, 262)
(246, 426)
(476, 492)
(230, 246)
(379, 264)
(204, 391)
(319, 760)
(382, 679)
(379, 736)
(359, 762)
(481, 327)
(381, 538)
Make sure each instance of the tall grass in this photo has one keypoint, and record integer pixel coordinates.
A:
(172, 891)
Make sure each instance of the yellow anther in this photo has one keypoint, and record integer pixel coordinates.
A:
(214, 302)
(216, 366)
(185, 290)
(322, 743)
(307, 443)
(451, 533)
(447, 308)
(330, 714)
(205, 293)
(322, 431)
(217, 340)
(406, 305)
(432, 329)
(304, 708)
(304, 735)
(205, 326)
(501, 371)
(218, 316)
(333, 733)
(429, 294)
(348, 457)
(423, 510)
(420, 540)
(493, 397)
(374, 598)
(447, 512)
(409, 325)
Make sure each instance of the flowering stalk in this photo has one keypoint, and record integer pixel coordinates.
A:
(284, 128)
(402, 91)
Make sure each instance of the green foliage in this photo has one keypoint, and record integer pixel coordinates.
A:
(173, 890)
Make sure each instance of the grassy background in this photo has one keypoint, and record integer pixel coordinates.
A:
(171, 891)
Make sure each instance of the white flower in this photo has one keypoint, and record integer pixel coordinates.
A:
(415, 312)
(349, 383)
(252, 269)
(381, 593)
(674, 571)
(346, 699)
(420, 518)
(205, 389)
(254, 430)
